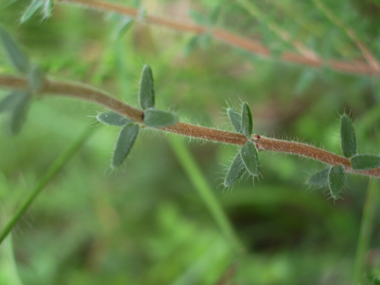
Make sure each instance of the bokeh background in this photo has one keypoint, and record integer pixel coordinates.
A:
(145, 222)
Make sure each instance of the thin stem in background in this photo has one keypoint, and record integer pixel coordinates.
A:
(56, 166)
(351, 34)
(244, 43)
(206, 194)
(366, 227)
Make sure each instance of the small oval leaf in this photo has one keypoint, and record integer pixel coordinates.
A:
(125, 141)
(9, 102)
(337, 177)
(235, 119)
(16, 56)
(347, 136)
(320, 178)
(159, 119)
(250, 158)
(113, 119)
(246, 121)
(236, 169)
(124, 25)
(18, 115)
(36, 79)
(365, 161)
(32, 9)
(146, 93)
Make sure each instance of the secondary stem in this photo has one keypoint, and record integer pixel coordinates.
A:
(238, 41)
(88, 93)
(366, 227)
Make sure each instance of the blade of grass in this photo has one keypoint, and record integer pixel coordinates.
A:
(8, 268)
(55, 167)
(198, 180)
(366, 227)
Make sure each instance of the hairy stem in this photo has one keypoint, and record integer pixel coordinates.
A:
(88, 93)
(255, 47)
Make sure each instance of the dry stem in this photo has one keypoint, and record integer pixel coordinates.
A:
(250, 45)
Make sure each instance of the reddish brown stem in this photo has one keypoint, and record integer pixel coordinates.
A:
(255, 47)
(88, 93)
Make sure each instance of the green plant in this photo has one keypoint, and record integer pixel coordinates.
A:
(33, 83)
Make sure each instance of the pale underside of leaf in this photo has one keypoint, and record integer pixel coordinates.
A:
(113, 119)
(236, 170)
(235, 119)
(320, 178)
(32, 9)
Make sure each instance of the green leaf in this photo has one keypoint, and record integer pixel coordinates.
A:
(125, 141)
(214, 15)
(159, 119)
(237, 168)
(191, 45)
(198, 18)
(113, 119)
(36, 79)
(246, 121)
(10, 101)
(48, 8)
(320, 178)
(337, 177)
(250, 158)
(365, 161)
(146, 94)
(347, 136)
(18, 115)
(125, 23)
(205, 40)
(235, 119)
(16, 56)
(32, 9)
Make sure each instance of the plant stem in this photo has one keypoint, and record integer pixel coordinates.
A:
(55, 167)
(368, 217)
(200, 183)
(88, 93)
(234, 40)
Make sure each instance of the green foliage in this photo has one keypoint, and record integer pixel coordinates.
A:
(347, 136)
(16, 103)
(125, 141)
(236, 170)
(337, 177)
(250, 158)
(32, 9)
(124, 23)
(113, 119)
(320, 178)
(365, 161)
(146, 93)
(235, 119)
(36, 79)
(15, 55)
(246, 121)
(159, 119)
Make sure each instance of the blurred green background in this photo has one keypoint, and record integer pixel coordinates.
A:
(145, 223)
